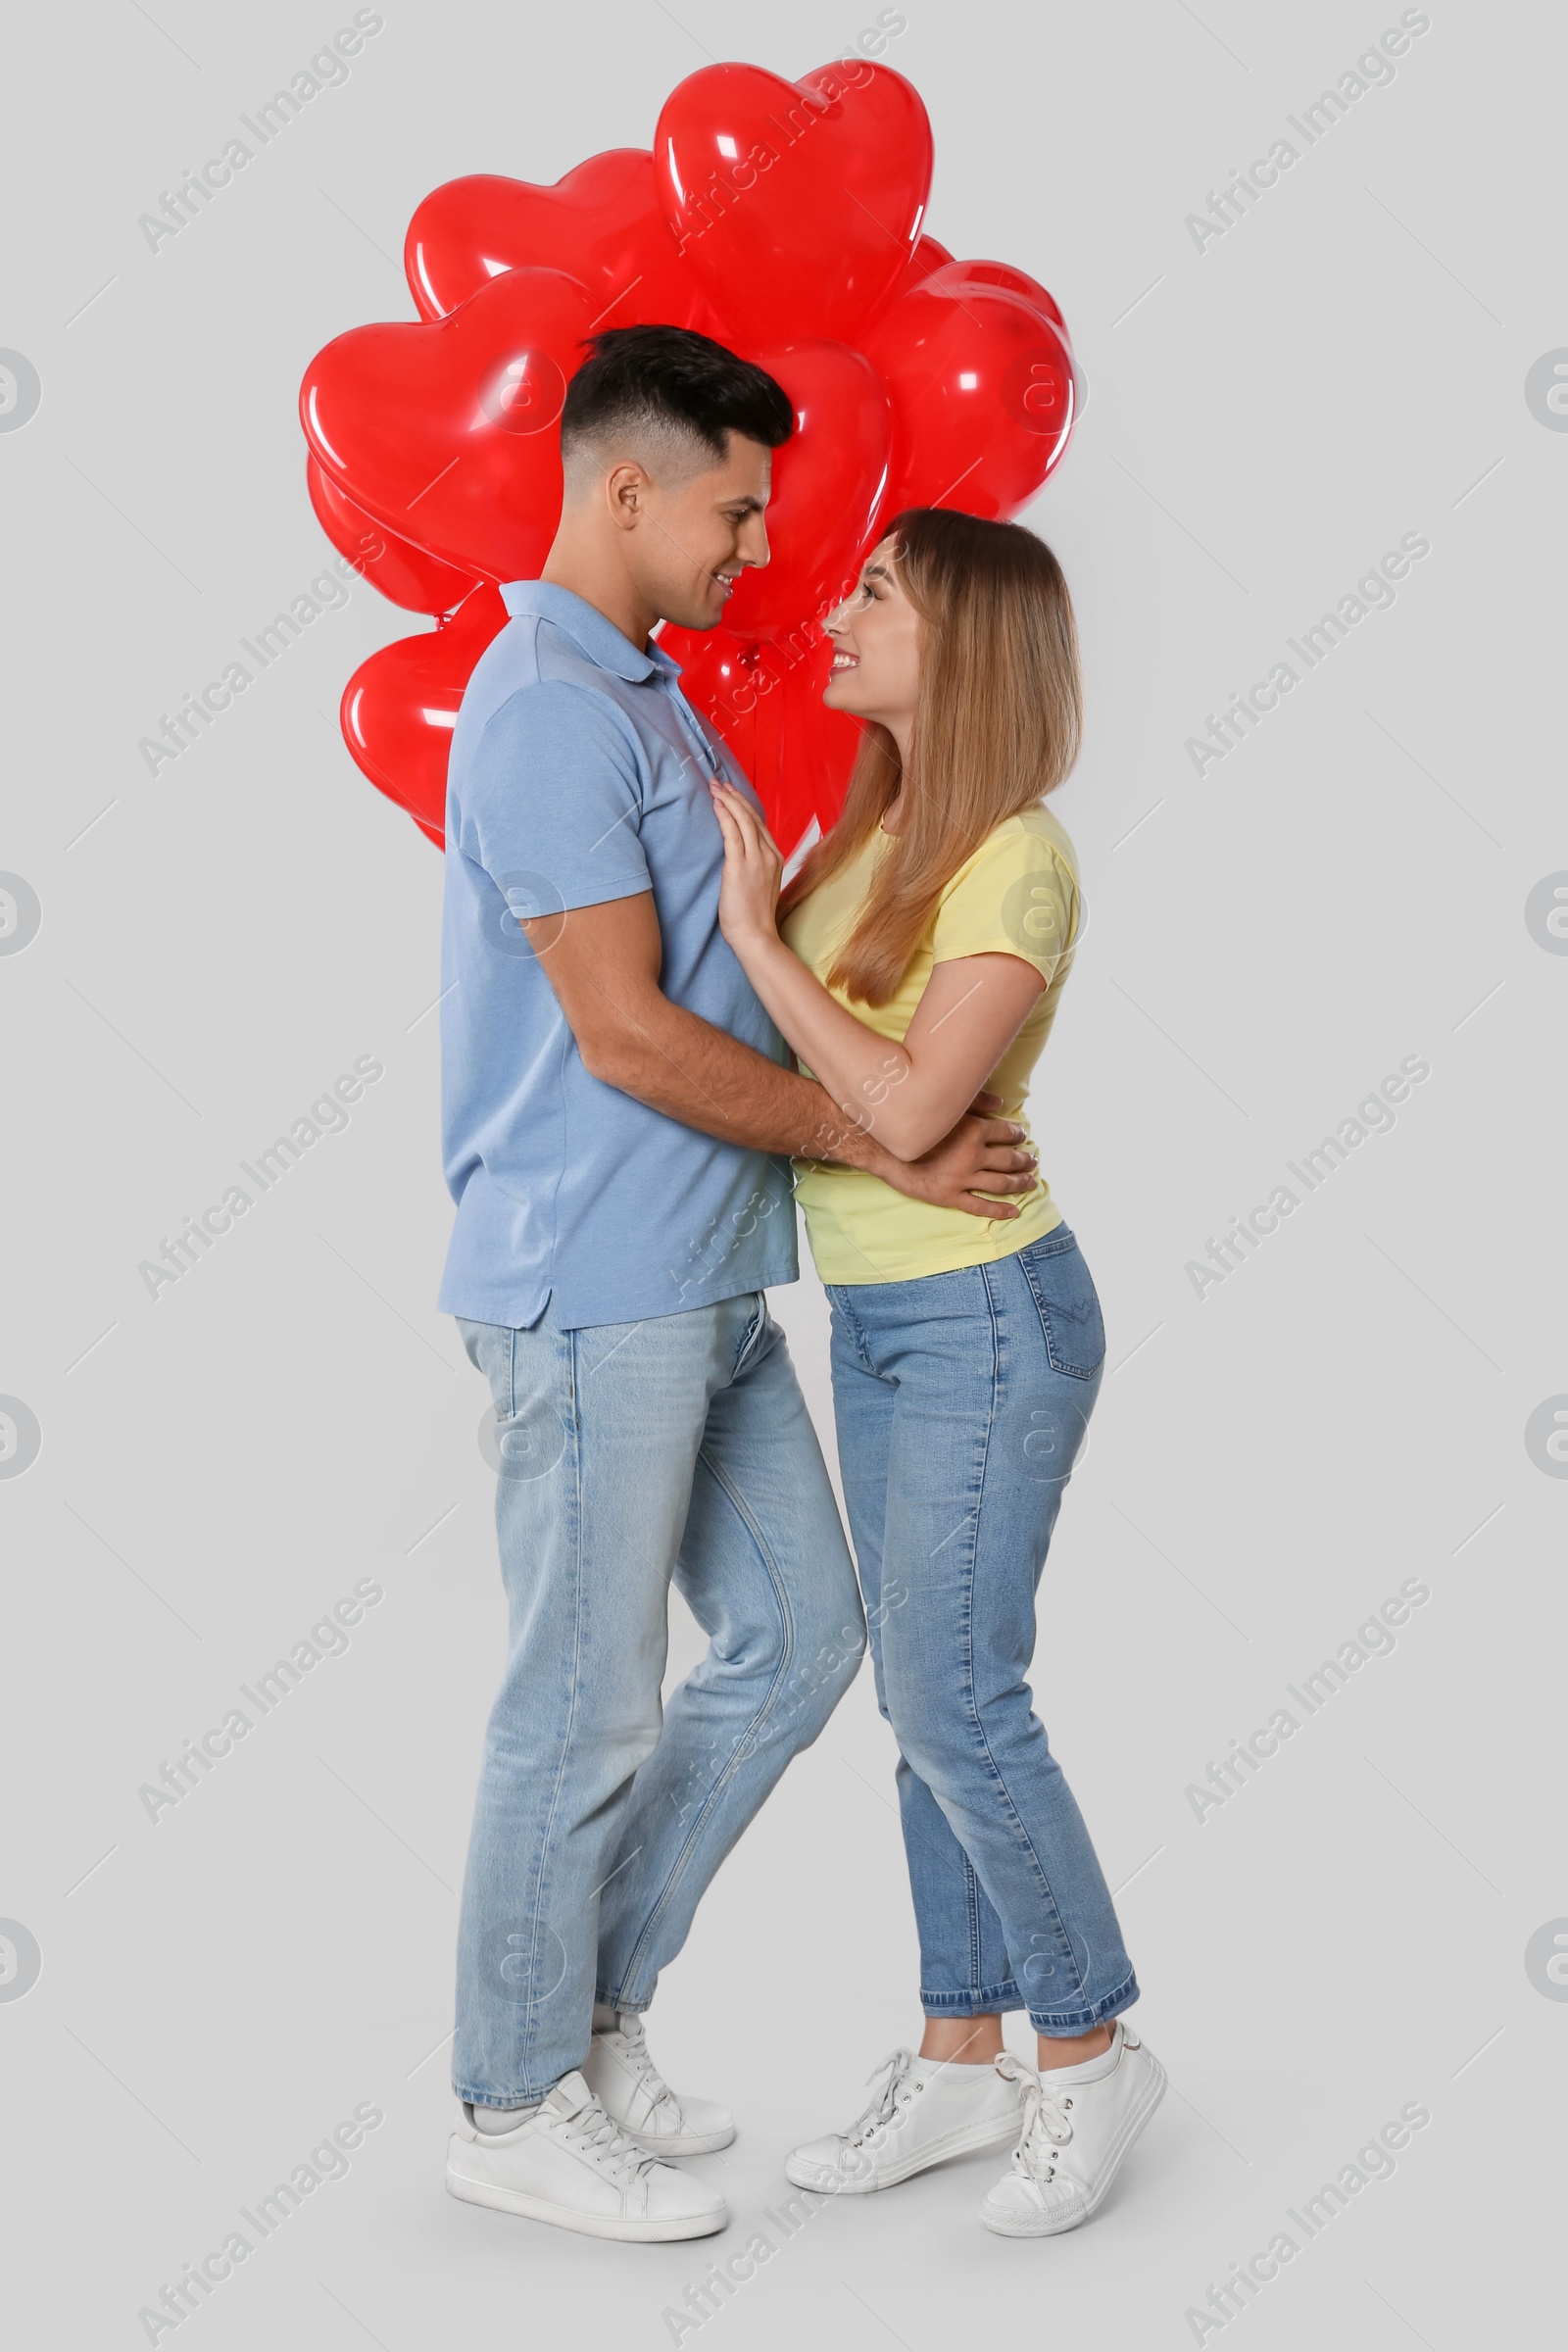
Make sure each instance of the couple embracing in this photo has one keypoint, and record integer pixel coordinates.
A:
(639, 1035)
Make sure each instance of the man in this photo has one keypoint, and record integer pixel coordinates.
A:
(616, 1112)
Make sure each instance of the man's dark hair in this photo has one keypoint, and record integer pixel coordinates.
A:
(672, 385)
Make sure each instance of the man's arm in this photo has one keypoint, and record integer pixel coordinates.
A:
(603, 965)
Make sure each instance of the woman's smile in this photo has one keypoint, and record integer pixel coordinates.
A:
(875, 635)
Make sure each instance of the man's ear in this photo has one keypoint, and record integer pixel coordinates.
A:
(627, 488)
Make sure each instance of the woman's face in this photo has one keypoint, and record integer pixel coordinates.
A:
(875, 635)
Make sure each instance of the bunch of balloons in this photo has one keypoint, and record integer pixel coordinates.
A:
(783, 219)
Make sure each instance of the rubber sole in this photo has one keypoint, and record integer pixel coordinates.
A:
(680, 2143)
(587, 2224)
(1004, 2225)
(957, 2143)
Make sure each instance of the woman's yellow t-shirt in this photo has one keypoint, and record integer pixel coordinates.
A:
(1016, 896)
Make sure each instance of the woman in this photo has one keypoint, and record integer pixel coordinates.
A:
(925, 943)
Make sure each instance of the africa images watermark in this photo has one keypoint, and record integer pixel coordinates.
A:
(1372, 593)
(198, 711)
(705, 2298)
(1373, 70)
(327, 70)
(1374, 1639)
(705, 207)
(328, 2161)
(1373, 1115)
(328, 1638)
(1373, 2161)
(327, 1116)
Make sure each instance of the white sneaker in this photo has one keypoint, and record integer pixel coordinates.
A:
(622, 2077)
(922, 2110)
(569, 2163)
(1079, 2122)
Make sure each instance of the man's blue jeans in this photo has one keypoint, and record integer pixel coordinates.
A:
(963, 1400)
(632, 1454)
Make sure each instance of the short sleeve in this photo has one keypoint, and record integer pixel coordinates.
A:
(551, 802)
(1017, 896)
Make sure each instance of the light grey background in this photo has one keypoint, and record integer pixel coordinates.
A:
(1266, 417)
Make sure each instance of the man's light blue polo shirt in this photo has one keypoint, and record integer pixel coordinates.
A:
(579, 774)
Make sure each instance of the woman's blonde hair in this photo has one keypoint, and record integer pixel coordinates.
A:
(997, 726)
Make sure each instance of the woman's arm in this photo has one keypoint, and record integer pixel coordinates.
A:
(907, 1094)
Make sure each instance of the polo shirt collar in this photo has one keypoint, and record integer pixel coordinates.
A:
(588, 628)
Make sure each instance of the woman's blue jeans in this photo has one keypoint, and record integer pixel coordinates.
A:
(963, 1400)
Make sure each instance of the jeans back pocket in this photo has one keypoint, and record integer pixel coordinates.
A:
(1068, 1302)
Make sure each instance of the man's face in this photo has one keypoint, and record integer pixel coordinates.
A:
(695, 539)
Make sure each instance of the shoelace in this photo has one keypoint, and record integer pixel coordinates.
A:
(634, 2039)
(890, 2089)
(599, 2137)
(1047, 2126)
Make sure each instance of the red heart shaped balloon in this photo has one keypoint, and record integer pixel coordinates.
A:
(601, 224)
(765, 700)
(785, 219)
(1011, 281)
(399, 708)
(403, 572)
(797, 204)
(828, 481)
(927, 256)
(814, 747)
(446, 432)
(981, 385)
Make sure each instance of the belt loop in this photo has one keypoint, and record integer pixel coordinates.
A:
(754, 1331)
